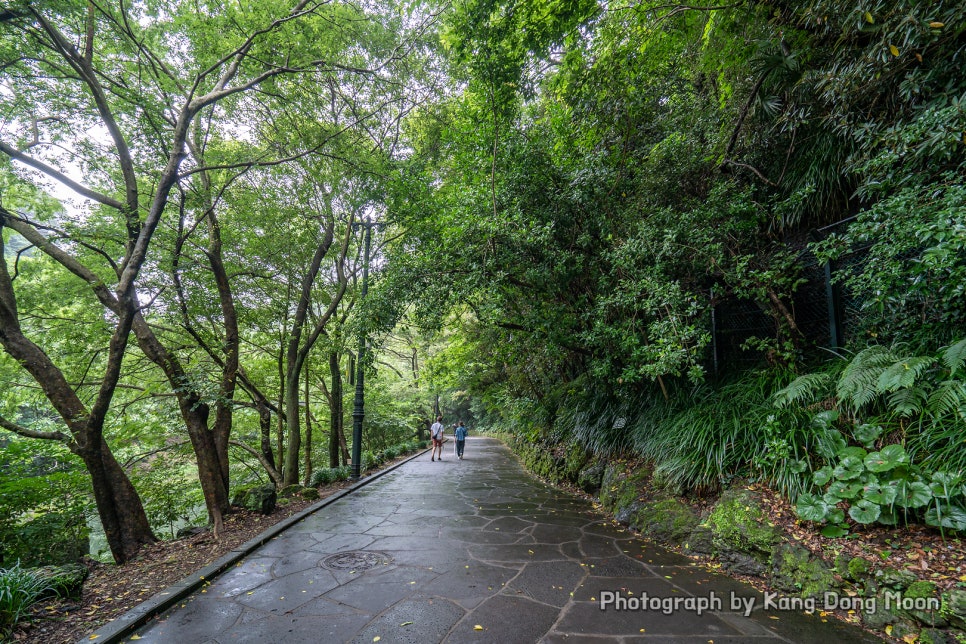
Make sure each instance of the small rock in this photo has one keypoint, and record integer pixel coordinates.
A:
(65, 581)
(589, 480)
(954, 603)
(898, 579)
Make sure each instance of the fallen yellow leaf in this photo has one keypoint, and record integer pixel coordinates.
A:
(477, 628)
(405, 623)
(893, 50)
(937, 25)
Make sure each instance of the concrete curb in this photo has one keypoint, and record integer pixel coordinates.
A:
(124, 625)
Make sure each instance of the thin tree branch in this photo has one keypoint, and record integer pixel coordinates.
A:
(33, 433)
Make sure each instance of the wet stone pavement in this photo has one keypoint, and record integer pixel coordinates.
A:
(473, 551)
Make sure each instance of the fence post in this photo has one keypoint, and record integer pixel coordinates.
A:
(833, 296)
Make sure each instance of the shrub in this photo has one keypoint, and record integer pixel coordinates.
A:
(322, 476)
(19, 589)
(371, 460)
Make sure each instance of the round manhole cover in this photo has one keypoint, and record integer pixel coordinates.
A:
(356, 560)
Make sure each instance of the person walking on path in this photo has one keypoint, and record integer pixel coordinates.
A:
(460, 434)
(436, 431)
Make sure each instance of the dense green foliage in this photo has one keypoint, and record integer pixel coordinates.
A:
(606, 183)
(572, 199)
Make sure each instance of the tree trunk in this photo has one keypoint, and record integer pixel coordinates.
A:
(308, 430)
(335, 409)
(265, 429)
(293, 426)
(212, 470)
(118, 504)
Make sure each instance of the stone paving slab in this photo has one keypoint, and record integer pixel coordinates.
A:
(471, 551)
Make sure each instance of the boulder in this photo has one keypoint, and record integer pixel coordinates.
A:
(881, 614)
(64, 581)
(796, 570)
(625, 515)
(858, 568)
(590, 478)
(892, 578)
(290, 490)
(190, 531)
(667, 520)
(954, 607)
(742, 536)
(701, 540)
(260, 498)
(309, 493)
(934, 636)
(924, 591)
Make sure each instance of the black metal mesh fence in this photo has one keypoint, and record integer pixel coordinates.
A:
(825, 312)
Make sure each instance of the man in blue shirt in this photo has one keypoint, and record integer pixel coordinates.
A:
(460, 433)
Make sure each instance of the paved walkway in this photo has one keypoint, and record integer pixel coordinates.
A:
(472, 551)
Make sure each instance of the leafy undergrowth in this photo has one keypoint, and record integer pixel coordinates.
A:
(112, 590)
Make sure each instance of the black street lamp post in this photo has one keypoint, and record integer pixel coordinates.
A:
(358, 408)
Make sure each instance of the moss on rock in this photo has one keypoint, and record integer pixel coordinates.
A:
(880, 616)
(666, 520)
(618, 493)
(922, 590)
(954, 607)
(738, 523)
(701, 540)
(858, 568)
(892, 578)
(795, 569)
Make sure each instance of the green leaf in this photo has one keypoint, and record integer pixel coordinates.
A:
(903, 373)
(849, 468)
(857, 452)
(946, 515)
(843, 490)
(955, 356)
(888, 517)
(944, 485)
(822, 476)
(881, 494)
(913, 494)
(834, 531)
(891, 457)
(867, 434)
(811, 508)
(865, 511)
